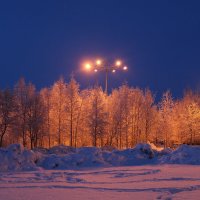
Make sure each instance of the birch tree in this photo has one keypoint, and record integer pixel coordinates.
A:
(6, 113)
(58, 111)
(73, 109)
(97, 115)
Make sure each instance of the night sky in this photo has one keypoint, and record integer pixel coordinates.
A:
(158, 40)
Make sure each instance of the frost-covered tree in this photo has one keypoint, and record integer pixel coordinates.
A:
(193, 121)
(6, 112)
(82, 130)
(188, 119)
(136, 112)
(124, 111)
(58, 111)
(114, 117)
(73, 109)
(35, 117)
(97, 116)
(166, 108)
(45, 94)
(21, 95)
(148, 113)
(64, 114)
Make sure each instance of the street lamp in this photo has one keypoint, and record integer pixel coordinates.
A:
(100, 66)
(88, 66)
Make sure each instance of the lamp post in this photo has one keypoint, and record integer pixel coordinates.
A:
(100, 66)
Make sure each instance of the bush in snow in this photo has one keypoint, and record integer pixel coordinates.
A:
(146, 149)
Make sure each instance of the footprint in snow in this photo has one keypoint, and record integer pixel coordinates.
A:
(74, 180)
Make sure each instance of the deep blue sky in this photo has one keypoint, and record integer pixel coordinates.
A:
(158, 40)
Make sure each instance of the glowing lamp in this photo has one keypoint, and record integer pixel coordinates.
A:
(98, 66)
(118, 63)
(98, 62)
(125, 68)
(88, 66)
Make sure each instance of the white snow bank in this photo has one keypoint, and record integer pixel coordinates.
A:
(16, 158)
(184, 154)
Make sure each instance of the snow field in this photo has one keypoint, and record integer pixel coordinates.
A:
(63, 172)
(133, 182)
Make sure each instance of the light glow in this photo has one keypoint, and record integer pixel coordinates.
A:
(125, 68)
(113, 70)
(98, 62)
(88, 66)
(118, 63)
(95, 70)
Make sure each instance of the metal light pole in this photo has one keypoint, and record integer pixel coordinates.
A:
(100, 66)
(106, 83)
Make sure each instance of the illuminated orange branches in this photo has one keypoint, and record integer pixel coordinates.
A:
(64, 114)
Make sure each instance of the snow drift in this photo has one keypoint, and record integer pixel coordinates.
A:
(184, 154)
(16, 158)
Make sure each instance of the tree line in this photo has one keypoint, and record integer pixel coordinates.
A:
(64, 114)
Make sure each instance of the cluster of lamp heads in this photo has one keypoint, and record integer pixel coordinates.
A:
(100, 65)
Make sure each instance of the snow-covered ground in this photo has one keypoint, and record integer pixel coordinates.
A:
(135, 182)
(62, 172)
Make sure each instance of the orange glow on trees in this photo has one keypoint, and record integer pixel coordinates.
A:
(64, 114)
